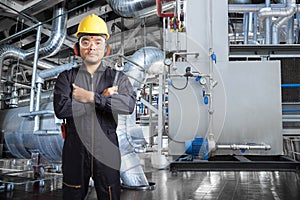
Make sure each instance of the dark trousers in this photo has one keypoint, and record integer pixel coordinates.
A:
(78, 165)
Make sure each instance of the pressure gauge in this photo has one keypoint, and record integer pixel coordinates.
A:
(168, 61)
(202, 80)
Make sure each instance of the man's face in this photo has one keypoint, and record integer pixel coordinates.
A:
(92, 49)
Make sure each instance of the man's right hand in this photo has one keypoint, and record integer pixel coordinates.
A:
(82, 95)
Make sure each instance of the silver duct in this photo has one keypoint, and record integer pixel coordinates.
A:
(246, 24)
(234, 8)
(47, 49)
(129, 8)
(290, 31)
(284, 15)
(284, 11)
(288, 10)
(132, 173)
(56, 70)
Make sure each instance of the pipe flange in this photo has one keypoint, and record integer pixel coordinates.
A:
(150, 187)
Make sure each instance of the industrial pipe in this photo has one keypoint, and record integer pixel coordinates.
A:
(129, 8)
(47, 49)
(291, 85)
(242, 147)
(56, 70)
(236, 8)
(159, 10)
(131, 171)
(289, 9)
(136, 8)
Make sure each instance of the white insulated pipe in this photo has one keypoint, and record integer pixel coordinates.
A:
(242, 147)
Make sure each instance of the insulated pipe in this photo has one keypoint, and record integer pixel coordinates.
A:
(235, 8)
(276, 29)
(56, 70)
(246, 25)
(242, 147)
(37, 47)
(136, 8)
(254, 28)
(47, 49)
(268, 24)
(131, 171)
(289, 9)
(129, 8)
(284, 14)
(290, 31)
(33, 81)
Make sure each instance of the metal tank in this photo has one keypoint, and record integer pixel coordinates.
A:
(21, 140)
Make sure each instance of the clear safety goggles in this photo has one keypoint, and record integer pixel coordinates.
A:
(86, 42)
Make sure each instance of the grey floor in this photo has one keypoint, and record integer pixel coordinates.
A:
(187, 185)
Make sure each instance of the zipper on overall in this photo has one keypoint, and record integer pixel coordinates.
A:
(109, 191)
(92, 134)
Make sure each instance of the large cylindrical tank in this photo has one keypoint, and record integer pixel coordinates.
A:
(20, 138)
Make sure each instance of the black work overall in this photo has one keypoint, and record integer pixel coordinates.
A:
(91, 144)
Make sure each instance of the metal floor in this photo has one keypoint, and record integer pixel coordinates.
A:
(235, 185)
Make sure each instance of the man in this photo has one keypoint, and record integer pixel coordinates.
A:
(88, 100)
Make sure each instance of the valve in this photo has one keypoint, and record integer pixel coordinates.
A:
(205, 100)
(214, 57)
(188, 72)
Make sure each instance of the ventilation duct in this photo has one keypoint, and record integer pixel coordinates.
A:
(131, 170)
(129, 8)
(47, 49)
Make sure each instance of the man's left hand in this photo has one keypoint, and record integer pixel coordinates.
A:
(82, 95)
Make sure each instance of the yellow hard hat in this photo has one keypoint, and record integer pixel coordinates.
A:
(92, 24)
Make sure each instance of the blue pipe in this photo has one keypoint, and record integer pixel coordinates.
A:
(290, 110)
(293, 85)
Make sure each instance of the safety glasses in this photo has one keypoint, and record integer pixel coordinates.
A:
(86, 42)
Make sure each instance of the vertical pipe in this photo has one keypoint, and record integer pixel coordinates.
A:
(177, 7)
(151, 124)
(290, 31)
(160, 113)
(246, 27)
(251, 22)
(268, 25)
(297, 29)
(164, 35)
(35, 63)
(211, 139)
(122, 38)
(276, 29)
(255, 28)
(37, 107)
(144, 32)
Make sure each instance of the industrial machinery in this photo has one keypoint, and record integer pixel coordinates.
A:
(233, 106)
(216, 66)
(224, 98)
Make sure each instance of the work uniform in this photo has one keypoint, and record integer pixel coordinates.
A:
(91, 145)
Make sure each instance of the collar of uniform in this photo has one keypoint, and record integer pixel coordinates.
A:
(100, 69)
